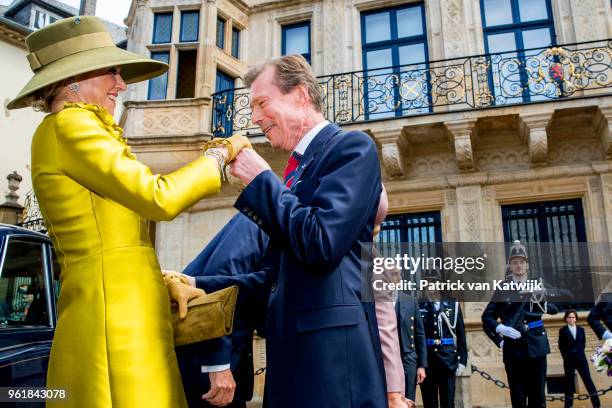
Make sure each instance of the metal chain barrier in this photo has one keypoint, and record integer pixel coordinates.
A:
(501, 384)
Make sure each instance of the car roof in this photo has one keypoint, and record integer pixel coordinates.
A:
(7, 229)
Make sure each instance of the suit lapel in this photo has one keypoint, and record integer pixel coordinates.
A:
(313, 149)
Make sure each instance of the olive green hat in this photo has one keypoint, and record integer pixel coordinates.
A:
(74, 46)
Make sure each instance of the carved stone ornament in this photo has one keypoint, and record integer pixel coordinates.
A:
(462, 135)
(534, 132)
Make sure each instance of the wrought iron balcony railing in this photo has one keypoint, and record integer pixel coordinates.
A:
(475, 82)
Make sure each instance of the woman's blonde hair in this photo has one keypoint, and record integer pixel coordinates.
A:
(42, 100)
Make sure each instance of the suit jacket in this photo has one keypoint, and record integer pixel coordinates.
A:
(448, 355)
(322, 343)
(237, 249)
(515, 309)
(412, 331)
(601, 312)
(570, 348)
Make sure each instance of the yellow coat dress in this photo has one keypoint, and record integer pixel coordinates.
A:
(113, 343)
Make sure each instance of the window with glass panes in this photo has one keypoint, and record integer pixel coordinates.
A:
(413, 234)
(394, 47)
(516, 30)
(162, 28)
(189, 25)
(220, 33)
(224, 82)
(559, 224)
(158, 86)
(296, 40)
(235, 43)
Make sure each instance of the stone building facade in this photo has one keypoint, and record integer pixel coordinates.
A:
(487, 115)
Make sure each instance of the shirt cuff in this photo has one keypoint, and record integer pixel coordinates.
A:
(215, 368)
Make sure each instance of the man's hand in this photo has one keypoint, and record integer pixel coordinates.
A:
(248, 165)
(222, 387)
(182, 294)
(508, 331)
(420, 375)
(460, 368)
(396, 400)
(181, 277)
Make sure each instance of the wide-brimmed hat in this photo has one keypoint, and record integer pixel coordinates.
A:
(74, 46)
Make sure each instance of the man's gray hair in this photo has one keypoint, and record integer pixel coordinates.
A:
(290, 71)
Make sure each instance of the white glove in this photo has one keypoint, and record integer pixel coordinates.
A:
(607, 335)
(460, 369)
(501, 344)
(508, 331)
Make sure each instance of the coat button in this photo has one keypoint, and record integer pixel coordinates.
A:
(412, 337)
(411, 317)
(273, 287)
(412, 327)
(435, 349)
(435, 332)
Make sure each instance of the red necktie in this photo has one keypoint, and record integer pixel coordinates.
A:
(290, 169)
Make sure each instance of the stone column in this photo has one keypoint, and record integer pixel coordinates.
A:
(462, 134)
(206, 51)
(11, 209)
(533, 130)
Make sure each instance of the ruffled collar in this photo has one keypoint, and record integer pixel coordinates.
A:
(106, 118)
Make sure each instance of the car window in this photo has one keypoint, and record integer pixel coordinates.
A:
(23, 294)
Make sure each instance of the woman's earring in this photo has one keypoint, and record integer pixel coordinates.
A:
(74, 86)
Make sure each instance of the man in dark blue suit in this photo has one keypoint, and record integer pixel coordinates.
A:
(322, 341)
(571, 345)
(600, 317)
(227, 362)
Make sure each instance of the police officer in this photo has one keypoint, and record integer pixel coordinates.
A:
(513, 321)
(412, 342)
(446, 347)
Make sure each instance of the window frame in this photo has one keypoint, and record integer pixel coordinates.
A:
(541, 219)
(235, 51)
(49, 291)
(395, 43)
(516, 28)
(285, 27)
(186, 12)
(164, 74)
(223, 22)
(158, 14)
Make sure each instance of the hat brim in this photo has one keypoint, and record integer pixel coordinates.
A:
(134, 68)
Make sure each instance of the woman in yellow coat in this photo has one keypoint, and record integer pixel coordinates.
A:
(113, 343)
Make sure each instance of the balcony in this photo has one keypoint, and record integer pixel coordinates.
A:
(519, 77)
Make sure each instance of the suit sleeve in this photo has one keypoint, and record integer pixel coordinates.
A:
(419, 337)
(561, 342)
(389, 342)
(93, 158)
(489, 322)
(320, 232)
(594, 319)
(461, 339)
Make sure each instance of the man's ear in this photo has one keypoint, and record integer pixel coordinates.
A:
(302, 94)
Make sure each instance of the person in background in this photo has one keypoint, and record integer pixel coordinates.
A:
(571, 346)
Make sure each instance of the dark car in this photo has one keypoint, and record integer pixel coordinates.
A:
(28, 292)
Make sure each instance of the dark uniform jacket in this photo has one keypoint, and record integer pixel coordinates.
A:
(411, 331)
(436, 328)
(516, 310)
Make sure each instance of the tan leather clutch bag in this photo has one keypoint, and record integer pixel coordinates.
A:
(209, 317)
